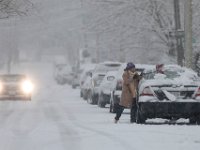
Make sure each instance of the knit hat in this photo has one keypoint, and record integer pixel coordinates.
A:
(129, 66)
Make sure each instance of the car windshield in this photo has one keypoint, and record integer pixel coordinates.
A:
(12, 78)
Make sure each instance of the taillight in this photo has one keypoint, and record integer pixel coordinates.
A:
(147, 92)
(198, 92)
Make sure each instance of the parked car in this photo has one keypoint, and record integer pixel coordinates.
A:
(87, 72)
(76, 78)
(93, 93)
(105, 88)
(15, 87)
(63, 74)
(97, 76)
(86, 87)
(118, 82)
(173, 94)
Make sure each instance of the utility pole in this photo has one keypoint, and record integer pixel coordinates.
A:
(188, 33)
(178, 35)
(85, 44)
(97, 47)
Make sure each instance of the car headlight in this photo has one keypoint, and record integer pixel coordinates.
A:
(27, 87)
(1, 87)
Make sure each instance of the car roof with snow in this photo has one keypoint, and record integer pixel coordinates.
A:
(107, 66)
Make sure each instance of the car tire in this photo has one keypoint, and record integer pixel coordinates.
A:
(101, 104)
(192, 120)
(85, 97)
(81, 94)
(198, 120)
(95, 99)
(92, 99)
(89, 100)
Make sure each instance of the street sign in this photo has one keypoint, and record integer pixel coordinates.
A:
(179, 33)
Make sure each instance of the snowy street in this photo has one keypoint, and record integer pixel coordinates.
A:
(55, 55)
(58, 119)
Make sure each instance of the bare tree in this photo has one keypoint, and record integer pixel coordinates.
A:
(161, 22)
(11, 9)
(134, 27)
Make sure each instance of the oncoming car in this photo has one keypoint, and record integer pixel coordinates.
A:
(15, 86)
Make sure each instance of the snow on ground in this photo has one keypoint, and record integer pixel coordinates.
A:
(58, 119)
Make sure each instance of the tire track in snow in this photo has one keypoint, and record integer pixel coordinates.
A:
(125, 145)
(52, 111)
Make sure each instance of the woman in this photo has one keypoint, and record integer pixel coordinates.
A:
(129, 93)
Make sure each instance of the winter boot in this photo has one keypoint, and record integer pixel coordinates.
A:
(116, 121)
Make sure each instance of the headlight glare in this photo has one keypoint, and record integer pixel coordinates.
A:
(27, 87)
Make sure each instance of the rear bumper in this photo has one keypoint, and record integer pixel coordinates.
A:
(169, 109)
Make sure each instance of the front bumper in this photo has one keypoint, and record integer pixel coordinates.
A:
(169, 109)
(15, 97)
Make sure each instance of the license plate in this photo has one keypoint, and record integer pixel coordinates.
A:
(12, 92)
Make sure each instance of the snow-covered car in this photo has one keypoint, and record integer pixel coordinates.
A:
(93, 93)
(15, 86)
(63, 74)
(118, 81)
(76, 78)
(85, 74)
(97, 76)
(173, 94)
(85, 88)
(105, 88)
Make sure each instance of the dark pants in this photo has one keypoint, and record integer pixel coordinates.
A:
(133, 111)
(120, 110)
